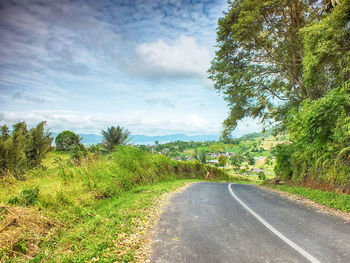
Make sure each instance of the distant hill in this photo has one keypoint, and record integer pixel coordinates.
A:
(253, 135)
(144, 139)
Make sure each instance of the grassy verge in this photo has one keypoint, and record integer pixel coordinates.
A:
(97, 211)
(107, 230)
(330, 199)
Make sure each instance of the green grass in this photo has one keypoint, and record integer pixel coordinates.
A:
(95, 203)
(49, 160)
(92, 230)
(330, 199)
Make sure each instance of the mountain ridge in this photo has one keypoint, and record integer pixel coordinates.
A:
(146, 139)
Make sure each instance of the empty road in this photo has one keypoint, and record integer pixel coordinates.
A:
(220, 222)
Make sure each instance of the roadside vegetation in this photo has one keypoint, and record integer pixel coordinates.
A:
(288, 63)
(85, 205)
(282, 62)
(331, 199)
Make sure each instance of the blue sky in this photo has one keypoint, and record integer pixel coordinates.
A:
(88, 65)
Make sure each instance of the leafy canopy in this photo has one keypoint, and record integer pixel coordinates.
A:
(270, 53)
(67, 140)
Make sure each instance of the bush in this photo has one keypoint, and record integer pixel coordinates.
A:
(261, 176)
(320, 137)
(128, 167)
(26, 197)
(283, 166)
(67, 140)
(21, 149)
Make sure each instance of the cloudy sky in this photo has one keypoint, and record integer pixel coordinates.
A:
(86, 65)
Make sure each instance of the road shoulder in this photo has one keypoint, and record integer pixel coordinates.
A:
(143, 254)
(309, 203)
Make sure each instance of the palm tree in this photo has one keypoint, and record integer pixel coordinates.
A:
(114, 136)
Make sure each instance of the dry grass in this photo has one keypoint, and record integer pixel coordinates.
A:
(21, 231)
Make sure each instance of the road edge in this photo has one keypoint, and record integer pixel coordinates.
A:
(144, 253)
(320, 208)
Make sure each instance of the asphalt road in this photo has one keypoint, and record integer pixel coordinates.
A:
(208, 222)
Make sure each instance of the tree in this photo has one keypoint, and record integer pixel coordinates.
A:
(326, 62)
(260, 67)
(250, 159)
(319, 138)
(67, 140)
(38, 145)
(200, 155)
(21, 149)
(237, 161)
(113, 137)
(222, 160)
(16, 149)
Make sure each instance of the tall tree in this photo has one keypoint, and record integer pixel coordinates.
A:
(326, 62)
(113, 137)
(259, 64)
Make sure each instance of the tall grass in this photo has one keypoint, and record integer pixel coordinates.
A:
(91, 204)
(128, 167)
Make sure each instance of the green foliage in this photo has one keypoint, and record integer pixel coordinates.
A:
(274, 54)
(249, 158)
(67, 140)
(331, 199)
(95, 148)
(27, 197)
(20, 246)
(39, 144)
(131, 166)
(259, 58)
(200, 156)
(326, 60)
(21, 149)
(261, 176)
(283, 167)
(77, 153)
(113, 137)
(320, 135)
(222, 160)
(237, 161)
(95, 202)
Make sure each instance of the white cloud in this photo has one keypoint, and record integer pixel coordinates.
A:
(182, 58)
(137, 123)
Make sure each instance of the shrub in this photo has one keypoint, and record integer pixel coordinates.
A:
(67, 140)
(27, 197)
(319, 132)
(129, 166)
(21, 149)
(283, 166)
(261, 176)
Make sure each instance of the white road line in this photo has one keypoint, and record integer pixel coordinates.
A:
(275, 231)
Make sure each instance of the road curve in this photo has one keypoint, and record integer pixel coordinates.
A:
(218, 222)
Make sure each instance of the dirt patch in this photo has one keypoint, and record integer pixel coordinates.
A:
(21, 231)
(310, 203)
